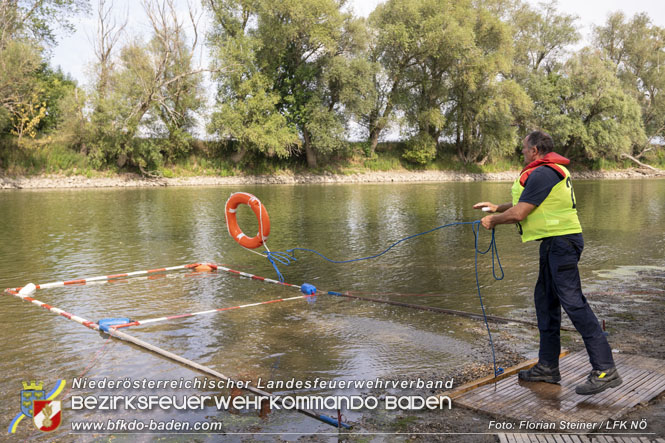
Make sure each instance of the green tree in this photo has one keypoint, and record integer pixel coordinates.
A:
(20, 91)
(430, 37)
(541, 37)
(485, 104)
(391, 55)
(146, 108)
(74, 125)
(29, 89)
(246, 109)
(585, 109)
(56, 86)
(295, 54)
(446, 63)
(636, 48)
(249, 116)
(35, 20)
(300, 44)
(179, 96)
(542, 40)
(108, 33)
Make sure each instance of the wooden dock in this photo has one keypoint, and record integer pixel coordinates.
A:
(559, 438)
(543, 407)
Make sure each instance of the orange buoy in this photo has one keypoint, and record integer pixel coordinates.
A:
(203, 268)
(243, 198)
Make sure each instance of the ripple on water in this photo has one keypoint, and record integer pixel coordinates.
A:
(61, 235)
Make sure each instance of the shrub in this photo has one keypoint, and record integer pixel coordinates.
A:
(420, 149)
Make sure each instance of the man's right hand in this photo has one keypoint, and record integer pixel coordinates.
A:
(492, 207)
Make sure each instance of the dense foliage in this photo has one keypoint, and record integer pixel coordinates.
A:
(296, 80)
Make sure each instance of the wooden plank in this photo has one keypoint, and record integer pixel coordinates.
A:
(611, 396)
(635, 390)
(528, 393)
(528, 388)
(540, 401)
(491, 379)
(573, 402)
(654, 387)
(509, 390)
(574, 438)
(650, 364)
(534, 403)
(614, 395)
(492, 393)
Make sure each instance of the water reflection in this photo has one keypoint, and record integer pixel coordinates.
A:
(49, 236)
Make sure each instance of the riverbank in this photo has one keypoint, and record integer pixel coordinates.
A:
(128, 180)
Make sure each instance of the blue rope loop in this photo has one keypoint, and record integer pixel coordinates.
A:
(280, 257)
(288, 257)
(492, 247)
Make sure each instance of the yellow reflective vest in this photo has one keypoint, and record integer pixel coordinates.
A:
(556, 215)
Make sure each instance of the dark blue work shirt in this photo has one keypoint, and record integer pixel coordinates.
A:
(539, 184)
(536, 189)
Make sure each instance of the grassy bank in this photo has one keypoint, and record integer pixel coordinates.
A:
(47, 156)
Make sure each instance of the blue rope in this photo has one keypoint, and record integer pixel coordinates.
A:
(492, 247)
(288, 257)
(280, 257)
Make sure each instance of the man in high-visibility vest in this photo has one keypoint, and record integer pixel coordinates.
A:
(544, 208)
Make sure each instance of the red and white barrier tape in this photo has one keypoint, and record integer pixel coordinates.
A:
(83, 281)
(254, 277)
(105, 278)
(101, 278)
(145, 345)
(76, 318)
(211, 311)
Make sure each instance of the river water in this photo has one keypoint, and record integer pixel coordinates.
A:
(48, 236)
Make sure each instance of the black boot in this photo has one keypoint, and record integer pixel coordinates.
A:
(540, 372)
(598, 381)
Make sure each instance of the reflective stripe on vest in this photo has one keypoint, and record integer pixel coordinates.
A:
(556, 215)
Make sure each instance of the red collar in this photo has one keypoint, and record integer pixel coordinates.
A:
(552, 159)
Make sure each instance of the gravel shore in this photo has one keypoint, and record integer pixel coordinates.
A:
(134, 180)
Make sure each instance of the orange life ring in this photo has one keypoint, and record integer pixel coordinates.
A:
(243, 198)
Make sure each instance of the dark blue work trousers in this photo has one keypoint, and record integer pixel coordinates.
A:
(559, 286)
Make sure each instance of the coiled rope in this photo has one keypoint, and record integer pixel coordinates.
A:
(288, 257)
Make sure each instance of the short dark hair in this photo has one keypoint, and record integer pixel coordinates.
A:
(541, 140)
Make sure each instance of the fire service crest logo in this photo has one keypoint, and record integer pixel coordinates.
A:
(47, 415)
(45, 411)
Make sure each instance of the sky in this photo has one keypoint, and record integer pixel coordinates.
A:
(74, 53)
